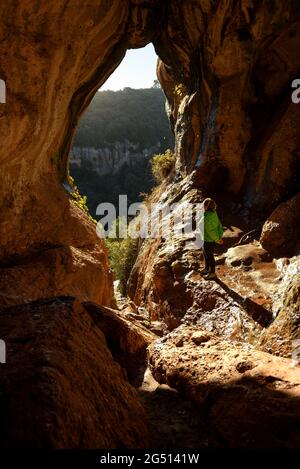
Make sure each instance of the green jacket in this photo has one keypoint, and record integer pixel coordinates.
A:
(213, 230)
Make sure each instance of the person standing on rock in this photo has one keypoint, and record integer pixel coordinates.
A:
(213, 232)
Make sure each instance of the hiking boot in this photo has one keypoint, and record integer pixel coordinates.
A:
(210, 276)
(204, 272)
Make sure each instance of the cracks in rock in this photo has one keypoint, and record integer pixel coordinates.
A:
(28, 257)
(32, 255)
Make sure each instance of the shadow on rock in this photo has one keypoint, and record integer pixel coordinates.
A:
(258, 313)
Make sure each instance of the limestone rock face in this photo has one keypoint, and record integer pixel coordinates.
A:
(78, 267)
(49, 44)
(110, 159)
(251, 398)
(283, 336)
(281, 231)
(60, 387)
(228, 84)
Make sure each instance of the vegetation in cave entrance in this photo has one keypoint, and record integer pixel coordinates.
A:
(123, 251)
(126, 127)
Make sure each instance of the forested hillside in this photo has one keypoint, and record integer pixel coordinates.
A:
(137, 115)
(134, 116)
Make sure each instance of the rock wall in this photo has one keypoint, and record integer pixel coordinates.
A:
(227, 70)
(126, 338)
(283, 336)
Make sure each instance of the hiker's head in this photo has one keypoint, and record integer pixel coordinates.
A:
(209, 204)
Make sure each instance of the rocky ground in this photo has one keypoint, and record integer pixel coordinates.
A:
(174, 420)
(250, 398)
(211, 361)
(243, 301)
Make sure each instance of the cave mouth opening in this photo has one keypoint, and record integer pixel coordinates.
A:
(123, 127)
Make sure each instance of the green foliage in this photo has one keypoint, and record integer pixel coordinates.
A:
(80, 200)
(122, 254)
(138, 116)
(162, 164)
(179, 90)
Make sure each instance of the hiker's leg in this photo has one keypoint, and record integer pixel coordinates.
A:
(206, 255)
(210, 257)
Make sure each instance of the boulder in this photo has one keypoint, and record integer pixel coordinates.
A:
(83, 272)
(60, 387)
(126, 337)
(246, 255)
(281, 232)
(282, 337)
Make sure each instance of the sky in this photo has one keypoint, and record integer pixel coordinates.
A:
(137, 70)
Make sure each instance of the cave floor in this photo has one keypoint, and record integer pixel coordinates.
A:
(174, 421)
(259, 282)
(251, 277)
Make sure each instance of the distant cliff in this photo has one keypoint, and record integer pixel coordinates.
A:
(112, 157)
(117, 136)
